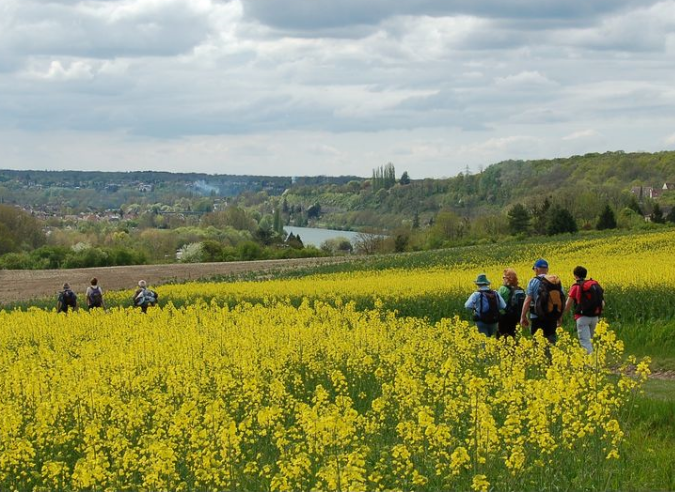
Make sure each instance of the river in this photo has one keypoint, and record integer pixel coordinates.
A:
(315, 236)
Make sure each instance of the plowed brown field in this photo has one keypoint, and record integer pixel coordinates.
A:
(22, 285)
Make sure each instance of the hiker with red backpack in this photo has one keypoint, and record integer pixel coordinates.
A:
(94, 295)
(588, 299)
(545, 302)
(486, 305)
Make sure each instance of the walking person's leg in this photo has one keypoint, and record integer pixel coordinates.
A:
(584, 333)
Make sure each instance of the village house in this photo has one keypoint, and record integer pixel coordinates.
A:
(650, 192)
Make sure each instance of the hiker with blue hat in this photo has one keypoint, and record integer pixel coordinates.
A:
(545, 302)
(486, 305)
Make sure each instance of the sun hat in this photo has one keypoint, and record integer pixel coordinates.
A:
(482, 280)
(141, 283)
(540, 263)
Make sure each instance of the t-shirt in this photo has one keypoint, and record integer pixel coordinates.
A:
(505, 292)
(92, 289)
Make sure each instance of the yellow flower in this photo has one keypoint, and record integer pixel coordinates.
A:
(480, 483)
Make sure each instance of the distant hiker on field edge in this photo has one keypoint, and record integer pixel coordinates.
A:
(144, 297)
(486, 304)
(94, 295)
(67, 300)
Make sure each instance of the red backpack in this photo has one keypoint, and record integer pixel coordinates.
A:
(591, 297)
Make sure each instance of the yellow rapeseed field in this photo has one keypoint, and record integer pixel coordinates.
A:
(283, 398)
(621, 263)
(255, 390)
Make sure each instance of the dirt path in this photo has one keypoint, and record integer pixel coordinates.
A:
(19, 285)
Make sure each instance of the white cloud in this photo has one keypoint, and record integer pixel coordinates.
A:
(524, 80)
(77, 70)
(581, 134)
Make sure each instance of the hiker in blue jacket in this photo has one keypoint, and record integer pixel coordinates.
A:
(486, 304)
(544, 303)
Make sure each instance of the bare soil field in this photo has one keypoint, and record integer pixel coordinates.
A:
(22, 285)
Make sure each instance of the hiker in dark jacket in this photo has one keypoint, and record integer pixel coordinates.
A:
(94, 295)
(67, 300)
(513, 296)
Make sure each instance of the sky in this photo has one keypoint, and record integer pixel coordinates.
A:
(331, 87)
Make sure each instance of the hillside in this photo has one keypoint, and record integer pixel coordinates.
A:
(582, 184)
(79, 191)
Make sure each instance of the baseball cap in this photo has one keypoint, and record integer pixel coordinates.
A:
(540, 263)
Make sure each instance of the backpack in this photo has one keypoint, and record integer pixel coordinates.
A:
(592, 296)
(514, 307)
(68, 299)
(146, 297)
(550, 299)
(487, 309)
(95, 297)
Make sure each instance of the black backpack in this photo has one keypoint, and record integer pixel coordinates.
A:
(592, 296)
(67, 299)
(514, 307)
(95, 297)
(487, 308)
(550, 300)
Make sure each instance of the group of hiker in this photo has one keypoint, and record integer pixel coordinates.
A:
(143, 297)
(541, 305)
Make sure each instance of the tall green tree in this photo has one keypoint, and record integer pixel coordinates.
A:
(657, 215)
(671, 216)
(384, 177)
(607, 219)
(519, 219)
(277, 223)
(541, 215)
(560, 221)
(19, 230)
(634, 205)
(416, 220)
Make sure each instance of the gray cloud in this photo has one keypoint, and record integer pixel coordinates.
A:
(102, 29)
(328, 14)
(424, 82)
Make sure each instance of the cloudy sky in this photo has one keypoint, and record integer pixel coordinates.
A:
(333, 87)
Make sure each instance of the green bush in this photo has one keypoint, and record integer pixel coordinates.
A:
(248, 250)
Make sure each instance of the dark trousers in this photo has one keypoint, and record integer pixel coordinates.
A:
(547, 326)
(507, 326)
